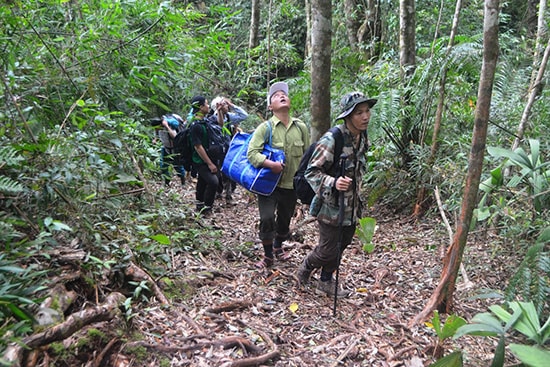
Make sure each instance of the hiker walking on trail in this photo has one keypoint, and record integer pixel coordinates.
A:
(335, 236)
(228, 116)
(166, 132)
(277, 209)
(207, 171)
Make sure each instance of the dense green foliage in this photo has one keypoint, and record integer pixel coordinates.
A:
(80, 81)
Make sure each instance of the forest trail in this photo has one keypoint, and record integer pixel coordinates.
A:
(232, 314)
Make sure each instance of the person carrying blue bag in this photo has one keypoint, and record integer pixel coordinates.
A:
(292, 136)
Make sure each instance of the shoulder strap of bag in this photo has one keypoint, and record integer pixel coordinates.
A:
(270, 129)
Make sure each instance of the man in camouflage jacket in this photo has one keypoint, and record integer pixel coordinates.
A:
(328, 186)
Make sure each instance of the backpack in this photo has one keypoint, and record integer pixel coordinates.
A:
(216, 145)
(303, 190)
(183, 149)
(217, 142)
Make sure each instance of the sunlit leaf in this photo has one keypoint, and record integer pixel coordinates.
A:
(162, 239)
(452, 360)
(530, 355)
(293, 307)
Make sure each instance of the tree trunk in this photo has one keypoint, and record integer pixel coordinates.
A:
(321, 34)
(420, 207)
(536, 84)
(531, 17)
(535, 90)
(254, 24)
(353, 23)
(407, 52)
(370, 32)
(540, 39)
(307, 50)
(442, 298)
(407, 48)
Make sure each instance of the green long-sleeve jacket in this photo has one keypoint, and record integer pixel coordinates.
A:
(293, 140)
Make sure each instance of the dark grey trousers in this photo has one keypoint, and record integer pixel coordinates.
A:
(325, 254)
(276, 211)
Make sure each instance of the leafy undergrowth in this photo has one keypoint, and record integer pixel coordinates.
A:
(222, 311)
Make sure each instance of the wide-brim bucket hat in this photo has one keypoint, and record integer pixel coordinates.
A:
(352, 99)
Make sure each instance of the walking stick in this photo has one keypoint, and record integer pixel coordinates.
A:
(340, 229)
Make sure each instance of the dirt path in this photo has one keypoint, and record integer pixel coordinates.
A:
(231, 314)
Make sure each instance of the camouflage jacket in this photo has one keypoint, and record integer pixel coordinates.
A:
(325, 204)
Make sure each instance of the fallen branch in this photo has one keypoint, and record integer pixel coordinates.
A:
(229, 306)
(97, 361)
(194, 325)
(103, 312)
(226, 343)
(262, 359)
(345, 353)
(131, 192)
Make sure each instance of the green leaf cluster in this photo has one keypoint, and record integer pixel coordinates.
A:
(518, 316)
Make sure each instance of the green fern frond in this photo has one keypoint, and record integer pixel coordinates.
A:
(532, 278)
(9, 186)
(7, 232)
(9, 156)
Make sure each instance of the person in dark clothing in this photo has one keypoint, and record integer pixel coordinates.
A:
(166, 132)
(228, 116)
(208, 172)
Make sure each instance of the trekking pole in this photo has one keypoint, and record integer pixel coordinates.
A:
(341, 210)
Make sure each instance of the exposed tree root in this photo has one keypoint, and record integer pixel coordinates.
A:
(106, 311)
(135, 272)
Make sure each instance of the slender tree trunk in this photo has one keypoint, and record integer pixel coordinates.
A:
(540, 39)
(353, 23)
(441, 102)
(531, 17)
(407, 53)
(370, 32)
(254, 24)
(321, 34)
(421, 194)
(268, 36)
(442, 298)
(407, 35)
(307, 50)
(535, 89)
(536, 84)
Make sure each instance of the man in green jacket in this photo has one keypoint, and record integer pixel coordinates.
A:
(335, 236)
(277, 209)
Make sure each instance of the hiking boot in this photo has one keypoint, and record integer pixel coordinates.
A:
(206, 212)
(280, 254)
(303, 274)
(328, 288)
(264, 263)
